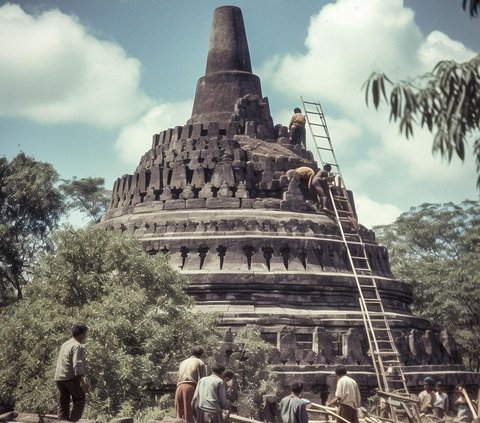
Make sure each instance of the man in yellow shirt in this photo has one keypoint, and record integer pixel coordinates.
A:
(191, 370)
(297, 127)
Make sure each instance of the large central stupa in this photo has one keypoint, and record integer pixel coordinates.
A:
(213, 194)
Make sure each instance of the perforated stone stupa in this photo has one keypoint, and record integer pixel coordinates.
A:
(213, 194)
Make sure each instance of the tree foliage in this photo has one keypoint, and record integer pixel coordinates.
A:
(446, 101)
(256, 378)
(30, 207)
(87, 195)
(436, 247)
(472, 5)
(141, 323)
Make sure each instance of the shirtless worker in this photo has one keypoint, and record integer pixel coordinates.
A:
(318, 182)
(297, 127)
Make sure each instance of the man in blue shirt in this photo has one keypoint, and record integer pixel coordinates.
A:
(210, 397)
(293, 409)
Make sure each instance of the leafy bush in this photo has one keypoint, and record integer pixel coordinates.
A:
(256, 378)
(141, 324)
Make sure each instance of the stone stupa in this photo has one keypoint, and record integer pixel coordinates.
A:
(213, 194)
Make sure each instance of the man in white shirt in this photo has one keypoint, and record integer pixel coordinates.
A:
(347, 396)
(441, 404)
(70, 375)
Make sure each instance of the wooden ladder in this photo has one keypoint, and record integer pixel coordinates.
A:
(384, 354)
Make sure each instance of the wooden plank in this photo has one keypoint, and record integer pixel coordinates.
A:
(8, 417)
(241, 419)
(329, 410)
(400, 398)
(469, 402)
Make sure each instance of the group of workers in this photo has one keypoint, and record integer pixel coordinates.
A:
(318, 182)
(202, 399)
(433, 400)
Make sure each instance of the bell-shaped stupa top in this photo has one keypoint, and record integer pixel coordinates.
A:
(228, 75)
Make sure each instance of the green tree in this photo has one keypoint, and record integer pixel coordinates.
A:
(256, 378)
(141, 323)
(446, 101)
(30, 207)
(436, 247)
(87, 195)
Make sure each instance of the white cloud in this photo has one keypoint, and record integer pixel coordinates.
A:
(438, 46)
(136, 138)
(372, 213)
(53, 71)
(347, 41)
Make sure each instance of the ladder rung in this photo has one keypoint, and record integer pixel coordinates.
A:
(359, 258)
(317, 124)
(344, 219)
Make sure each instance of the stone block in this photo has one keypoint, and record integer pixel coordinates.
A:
(142, 181)
(155, 182)
(174, 204)
(179, 175)
(196, 131)
(247, 203)
(168, 136)
(186, 131)
(222, 203)
(223, 173)
(266, 203)
(195, 203)
(294, 205)
(250, 129)
(155, 140)
(148, 207)
(231, 129)
(264, 132)
(213, 129)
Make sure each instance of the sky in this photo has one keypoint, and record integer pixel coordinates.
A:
(84, 84)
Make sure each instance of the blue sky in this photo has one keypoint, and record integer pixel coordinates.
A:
(86, 83)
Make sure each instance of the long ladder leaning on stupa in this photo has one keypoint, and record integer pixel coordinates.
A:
(385, 357)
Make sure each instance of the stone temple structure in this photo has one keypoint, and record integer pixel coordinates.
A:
(213, 194)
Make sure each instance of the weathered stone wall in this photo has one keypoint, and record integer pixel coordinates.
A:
(211, 167)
